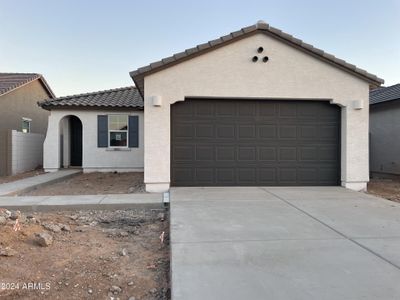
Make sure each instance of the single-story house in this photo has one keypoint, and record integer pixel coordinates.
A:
(256, 107)
(100, 131)
(385, 130)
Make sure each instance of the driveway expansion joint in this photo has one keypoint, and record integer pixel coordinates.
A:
(333, 229)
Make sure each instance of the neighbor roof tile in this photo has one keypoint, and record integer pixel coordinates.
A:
(384, 94)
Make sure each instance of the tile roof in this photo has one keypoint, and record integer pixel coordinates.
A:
(384, 94)
(139, 74)
(12, 81)
(126, 97)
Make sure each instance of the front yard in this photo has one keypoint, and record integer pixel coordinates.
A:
(94, 255)
(11, 178)
(96, 183)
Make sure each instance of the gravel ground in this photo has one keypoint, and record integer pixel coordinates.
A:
(94, 184)
(385, 188)
(85, 255)
(5, 179)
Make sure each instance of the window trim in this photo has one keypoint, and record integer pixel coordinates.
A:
(112, 130)
(27, 121)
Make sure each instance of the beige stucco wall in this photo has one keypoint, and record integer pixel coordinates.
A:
(93, 158)
(229, 72)
(22, 102)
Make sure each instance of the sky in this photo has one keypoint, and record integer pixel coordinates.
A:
(83, 46)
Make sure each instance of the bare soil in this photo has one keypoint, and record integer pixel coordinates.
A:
(103, 249)
(385, 188)
(94, 184)
(5, 179)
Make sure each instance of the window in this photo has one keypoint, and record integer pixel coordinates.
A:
(26, 125)
(118, 130)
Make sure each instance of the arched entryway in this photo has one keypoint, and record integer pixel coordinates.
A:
(70, 142)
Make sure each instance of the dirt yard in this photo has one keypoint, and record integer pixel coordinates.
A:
(385, 188)
(94, 184)
(93, 255)
(5, 179)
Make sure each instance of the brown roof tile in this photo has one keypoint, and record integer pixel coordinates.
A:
(126, 97)
(12, 81)
(139, 74)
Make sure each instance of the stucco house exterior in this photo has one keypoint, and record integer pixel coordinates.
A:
(19, 113)
(256, 107)
(99, 131)
(19, 93)
(385, 131)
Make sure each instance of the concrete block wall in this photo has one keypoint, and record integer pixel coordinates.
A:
(23, 152)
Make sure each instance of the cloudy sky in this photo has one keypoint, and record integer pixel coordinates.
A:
(82, 46)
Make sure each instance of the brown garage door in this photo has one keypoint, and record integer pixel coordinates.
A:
(254, 142)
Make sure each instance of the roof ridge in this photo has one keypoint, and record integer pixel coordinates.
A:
(138, 74)
(16, 73)
(95, 93)
(11, 77)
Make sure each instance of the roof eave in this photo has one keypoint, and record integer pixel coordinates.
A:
(139, 74)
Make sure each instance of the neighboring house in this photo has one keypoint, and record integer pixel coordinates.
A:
(256, 107)
(19, 93)
(100, 131)
(385, 130)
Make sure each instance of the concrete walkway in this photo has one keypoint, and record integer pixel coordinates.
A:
(48, 203)
(26, 184)
(283, 243)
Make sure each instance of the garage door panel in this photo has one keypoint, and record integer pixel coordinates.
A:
(288, 154)
(328, 153)
(267, 154)
(246, 154)
(307, 175)
(255, 142)
(184, 174)
(205, 153)
(204, 131)
(202, 110)
(287, 176)
(223, 110)
(247, 109)
(205, 175)
(226, 175)
(247, 131)
(287, 132)
(267, 110)
(184, 130)
(328, 132)
(308, 132)
(225, 153)
(327, 174)
(287, 110)
(267, 176)
(267, 131)
(183, 153)
(226, 131)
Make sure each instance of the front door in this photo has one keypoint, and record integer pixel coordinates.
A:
(76, 142)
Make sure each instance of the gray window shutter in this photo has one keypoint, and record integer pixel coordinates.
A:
(133, 131)
(102, 131)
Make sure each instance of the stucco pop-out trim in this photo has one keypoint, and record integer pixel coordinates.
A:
(228, 72)
(93, 158)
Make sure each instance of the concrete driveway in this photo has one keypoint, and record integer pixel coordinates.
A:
(283, 243)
